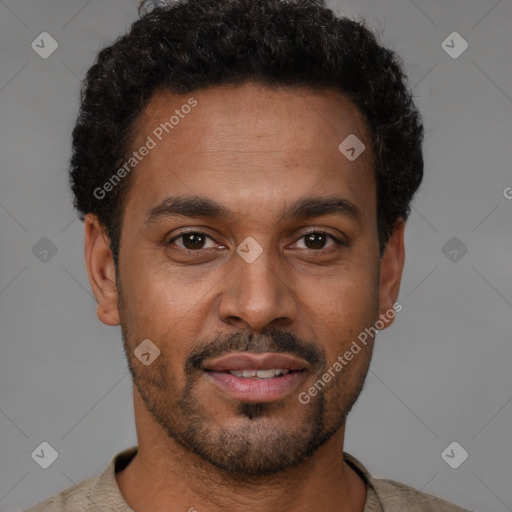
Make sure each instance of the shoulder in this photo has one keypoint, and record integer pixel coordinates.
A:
(98, 493)
(397, 496)
(73, 498)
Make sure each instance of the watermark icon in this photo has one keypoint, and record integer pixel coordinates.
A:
(454, 45)
(44, 45)
(454, 455)
(351, 147)
(454, 249)
(507, 192)
(146, 352)
(44, 250)
(143, 151)
(342, 360)
(45, 455)
(249, 249)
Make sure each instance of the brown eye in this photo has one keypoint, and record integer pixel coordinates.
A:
(316, 240)
(192, 240)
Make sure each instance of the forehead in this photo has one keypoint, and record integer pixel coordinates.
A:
(250, 143)
(251, 111)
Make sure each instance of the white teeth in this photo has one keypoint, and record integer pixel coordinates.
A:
(260, 374)
(265, 374)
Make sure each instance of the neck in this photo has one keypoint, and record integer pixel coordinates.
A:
(166, 476)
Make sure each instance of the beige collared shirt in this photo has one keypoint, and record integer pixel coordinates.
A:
(102, 493)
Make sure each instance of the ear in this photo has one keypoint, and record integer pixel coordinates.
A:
(101, 270)
(391, 266)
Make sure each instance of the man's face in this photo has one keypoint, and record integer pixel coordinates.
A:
(258, 154)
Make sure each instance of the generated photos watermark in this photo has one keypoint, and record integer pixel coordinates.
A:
(354, 349)
(137, 156)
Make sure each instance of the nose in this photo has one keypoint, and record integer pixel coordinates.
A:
(256, 295)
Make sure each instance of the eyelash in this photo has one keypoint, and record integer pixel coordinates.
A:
(337, 241)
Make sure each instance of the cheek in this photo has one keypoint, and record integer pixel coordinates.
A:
(350, 288)
(158, 307)
(345, 305)
(154, 294)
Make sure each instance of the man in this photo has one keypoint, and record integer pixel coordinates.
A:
(245, 169)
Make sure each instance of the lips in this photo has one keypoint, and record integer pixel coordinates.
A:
(266, 361)
(256, 378)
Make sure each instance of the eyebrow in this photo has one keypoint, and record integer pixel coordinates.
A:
(203, 207)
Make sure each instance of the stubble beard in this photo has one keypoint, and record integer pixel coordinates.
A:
(261, 443)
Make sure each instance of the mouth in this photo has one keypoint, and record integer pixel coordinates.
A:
(260, 374)
(256, 378)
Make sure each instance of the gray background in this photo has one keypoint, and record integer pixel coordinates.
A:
(441, 373)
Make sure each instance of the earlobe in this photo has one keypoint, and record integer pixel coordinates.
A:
(101, 270)
(391, 267)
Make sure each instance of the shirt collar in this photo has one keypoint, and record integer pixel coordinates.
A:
(105, 489)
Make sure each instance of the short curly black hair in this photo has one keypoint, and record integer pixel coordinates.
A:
(186, 45)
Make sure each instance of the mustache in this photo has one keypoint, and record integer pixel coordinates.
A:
(273, 341)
